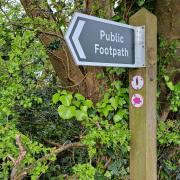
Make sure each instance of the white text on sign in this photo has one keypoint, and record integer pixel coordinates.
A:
(109, 51)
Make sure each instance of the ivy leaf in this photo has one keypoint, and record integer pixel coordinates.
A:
(63, 92)
(76, 103)
(106, 110)
(166, 78)
(114, 102)
(55, 98)
(88, 103)
(115, 167)
(170, 86)
(66, 112)
(140, 2)
(84, 108)
(78, 96)
(177, 87)
(108, 174)
(117, 84)
(122, 114)
(80, 115)
(117, 118)
(66, 99)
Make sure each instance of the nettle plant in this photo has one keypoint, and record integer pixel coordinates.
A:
(105, 125)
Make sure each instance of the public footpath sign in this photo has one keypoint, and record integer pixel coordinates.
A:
(98, 42)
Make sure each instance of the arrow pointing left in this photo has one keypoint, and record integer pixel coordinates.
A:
(75, 39)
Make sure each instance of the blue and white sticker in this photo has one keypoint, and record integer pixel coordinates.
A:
(137, 82)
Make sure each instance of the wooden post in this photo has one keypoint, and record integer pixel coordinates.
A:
(143, 119)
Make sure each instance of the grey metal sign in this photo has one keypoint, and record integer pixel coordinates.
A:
(98, 42)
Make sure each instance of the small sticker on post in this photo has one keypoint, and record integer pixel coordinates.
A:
(137, 100)
(137, 82)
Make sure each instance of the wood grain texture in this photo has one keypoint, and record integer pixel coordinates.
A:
(143, 120)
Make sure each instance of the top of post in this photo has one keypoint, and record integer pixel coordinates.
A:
(143, 12)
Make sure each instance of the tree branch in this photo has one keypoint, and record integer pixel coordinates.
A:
(22, 153)
(68, 72)
(68, 77)
(52, 143)
(55, 152)
(165, 112)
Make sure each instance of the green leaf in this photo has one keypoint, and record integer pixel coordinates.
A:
(76, 103)
(117, 117)
(108, 174)
(114, 102)
(116, 17)
(88, 103)
(63, 92)
(66, 99)
(81, 115)
(177, 87)
(117, 84)
(66, 112)
(170, 86)
(84, 108)
(106, 110)
(55, 98)
(166, 78)
(78, 96)
(140, 2)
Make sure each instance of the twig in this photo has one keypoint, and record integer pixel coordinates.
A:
(98, 125)
(52, 143)
(69, 74)
(11, 158)
(68, 65)
(165, 112)
(21, 149)
(127, 12)
(22, 153)
(124, 14)
(61, 149)
(107, 163)
(159, 172)
(77, 84)
(68, 70)
(53, 153)
(20, 176)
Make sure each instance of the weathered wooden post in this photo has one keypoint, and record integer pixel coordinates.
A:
(143, 103)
